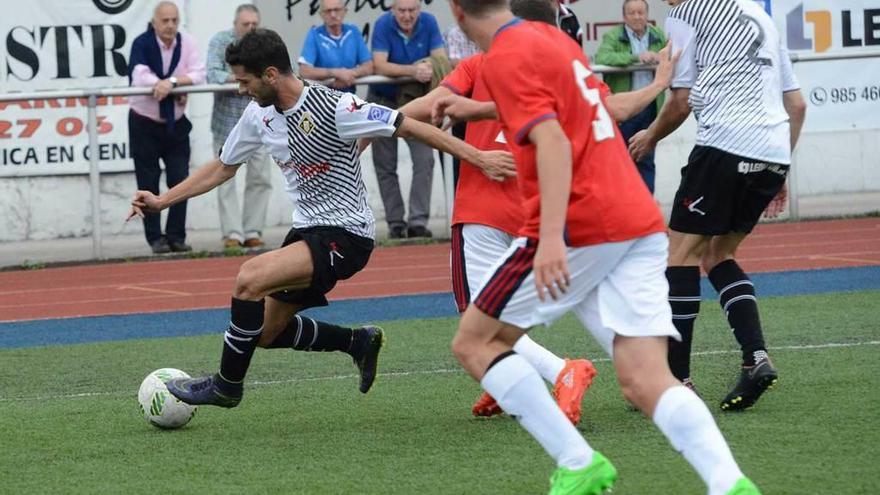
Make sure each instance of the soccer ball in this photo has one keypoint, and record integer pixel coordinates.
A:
(158, 406)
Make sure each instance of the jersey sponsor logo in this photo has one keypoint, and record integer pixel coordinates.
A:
(307, 123)
(305, 170)
(500, 138)
(691, 205)
(355, 106)
(268, 123)
(309, 170)
(755, 167)
(379, 114)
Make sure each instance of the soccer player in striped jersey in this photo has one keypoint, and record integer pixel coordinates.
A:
(736, 76)
(311, 132)
(593, 242)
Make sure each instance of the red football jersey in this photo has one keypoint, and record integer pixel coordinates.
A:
(534, 72)
(479, 199)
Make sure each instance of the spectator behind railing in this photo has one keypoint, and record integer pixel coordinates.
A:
(239, 226)
(335, 50)
(162, 58)
(405, 42)
(459, 45)
(634, 42)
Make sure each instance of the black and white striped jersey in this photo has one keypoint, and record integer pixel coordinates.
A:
(737, 69)
(315, 145)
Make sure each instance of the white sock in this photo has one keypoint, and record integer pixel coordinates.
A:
(518, 389)
(546, 363)
(691, 429)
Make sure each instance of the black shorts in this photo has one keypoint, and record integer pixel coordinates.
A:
(722, 193)
(337, 254)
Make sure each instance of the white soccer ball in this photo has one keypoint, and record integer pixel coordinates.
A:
(159, 407)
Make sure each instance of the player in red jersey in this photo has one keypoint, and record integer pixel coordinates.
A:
(593, 241)
(487, 213)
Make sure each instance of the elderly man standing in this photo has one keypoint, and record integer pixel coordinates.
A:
(335, 50)
(402, 40)
(162, 59)
(241, 227)
(634, 42)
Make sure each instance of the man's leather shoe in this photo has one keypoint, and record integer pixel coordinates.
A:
(179, 247)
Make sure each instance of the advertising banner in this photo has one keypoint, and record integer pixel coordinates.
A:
(845, 94)
(58, 45)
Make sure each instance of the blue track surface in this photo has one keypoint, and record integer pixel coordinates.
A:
(213, 321)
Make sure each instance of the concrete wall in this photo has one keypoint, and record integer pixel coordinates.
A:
(837, 172)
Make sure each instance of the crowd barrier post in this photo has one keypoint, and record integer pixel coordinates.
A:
(95, 179)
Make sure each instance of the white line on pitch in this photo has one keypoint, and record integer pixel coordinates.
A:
(393, 374)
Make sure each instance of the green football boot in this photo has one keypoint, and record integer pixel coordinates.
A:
(594, 479)
(744, 487)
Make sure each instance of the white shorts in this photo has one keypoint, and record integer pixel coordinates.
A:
(475, 249)
(616, 289)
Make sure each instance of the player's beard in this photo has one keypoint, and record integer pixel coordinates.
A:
(265, 96)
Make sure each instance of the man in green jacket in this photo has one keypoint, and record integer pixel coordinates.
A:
(631, 43)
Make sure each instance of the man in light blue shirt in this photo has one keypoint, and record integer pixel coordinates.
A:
(335, 50)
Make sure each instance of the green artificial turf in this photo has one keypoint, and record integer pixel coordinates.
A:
(69, 419)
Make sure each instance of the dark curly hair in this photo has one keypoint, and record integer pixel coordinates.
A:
(534, 10)
(258, 50)
(480, 8)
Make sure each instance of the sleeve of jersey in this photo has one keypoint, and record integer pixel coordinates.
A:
(244, 139)
(789, 79)
(523, 100)
(357, 119)
(461, 80)
(683, 36)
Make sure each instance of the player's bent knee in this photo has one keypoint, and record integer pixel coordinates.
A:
(461, 346)
(247, 283)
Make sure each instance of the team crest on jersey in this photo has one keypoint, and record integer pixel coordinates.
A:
(307, 123)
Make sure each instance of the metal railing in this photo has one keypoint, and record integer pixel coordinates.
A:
(92, 96)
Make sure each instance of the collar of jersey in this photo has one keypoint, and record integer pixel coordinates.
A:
(299, 102)
(513, 22)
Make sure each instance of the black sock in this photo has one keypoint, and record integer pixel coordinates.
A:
(736, 294)
(245, 327)
(684, 299)
(306, 334)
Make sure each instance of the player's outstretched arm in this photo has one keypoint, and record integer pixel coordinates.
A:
(497, 165)
(673, 114)
(420, 108)
(207, 177)
(624, 106)
(553, 157)
(462, 109)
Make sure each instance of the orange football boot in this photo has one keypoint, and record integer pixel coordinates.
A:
(486, 406)
(571, 385)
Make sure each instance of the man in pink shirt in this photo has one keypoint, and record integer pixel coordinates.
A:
(162, 58)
